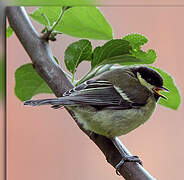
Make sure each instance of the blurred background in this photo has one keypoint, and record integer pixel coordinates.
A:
(45, 144)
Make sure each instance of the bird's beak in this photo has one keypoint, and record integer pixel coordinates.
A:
(158, 89)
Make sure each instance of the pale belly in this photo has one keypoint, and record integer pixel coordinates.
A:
(113, 123)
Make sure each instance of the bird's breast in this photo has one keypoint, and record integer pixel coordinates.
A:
(113, 123)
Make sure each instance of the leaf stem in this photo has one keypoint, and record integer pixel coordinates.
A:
(73, 77)
(104, 68)
(59, 19)
(84, 78)
(46, 18)
(69, 77)
(48, 33)
(98, 71)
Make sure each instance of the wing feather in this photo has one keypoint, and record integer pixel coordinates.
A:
(98, 93)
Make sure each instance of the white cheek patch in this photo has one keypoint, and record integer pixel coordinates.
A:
(144, 83)
(122, 94)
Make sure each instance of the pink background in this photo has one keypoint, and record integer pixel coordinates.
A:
(46, 144)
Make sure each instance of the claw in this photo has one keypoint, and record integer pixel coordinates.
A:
(118, 166)
(127, 159)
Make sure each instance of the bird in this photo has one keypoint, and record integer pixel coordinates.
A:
(113, 103)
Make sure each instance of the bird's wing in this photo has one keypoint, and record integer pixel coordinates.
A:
(99, 93)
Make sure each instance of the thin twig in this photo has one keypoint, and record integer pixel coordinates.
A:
(49, 31)
(39, 51)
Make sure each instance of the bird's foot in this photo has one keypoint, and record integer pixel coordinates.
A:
(127, 159)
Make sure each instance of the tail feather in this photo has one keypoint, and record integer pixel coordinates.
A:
(55, 101)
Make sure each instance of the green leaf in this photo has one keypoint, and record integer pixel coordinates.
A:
(76, 53)
(28, 83)
(119, 51)
(9, 31)
(136, 40)
(51, 13)
(83, 22)
(148, 57)
(123, 60)
(51, 3)
(174, 98)
(110, 52)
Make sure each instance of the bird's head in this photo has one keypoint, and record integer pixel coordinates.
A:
(150, 79)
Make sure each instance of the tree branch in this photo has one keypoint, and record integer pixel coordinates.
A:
(41, 56)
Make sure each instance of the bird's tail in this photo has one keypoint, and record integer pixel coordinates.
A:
(55, 102)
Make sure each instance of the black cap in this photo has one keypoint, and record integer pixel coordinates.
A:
(150, 75)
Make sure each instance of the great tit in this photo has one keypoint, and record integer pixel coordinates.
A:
(114, 103)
